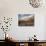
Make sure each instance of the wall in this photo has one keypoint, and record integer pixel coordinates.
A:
(45, 28)
(11, 8)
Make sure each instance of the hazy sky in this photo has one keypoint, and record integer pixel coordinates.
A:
(24, 16)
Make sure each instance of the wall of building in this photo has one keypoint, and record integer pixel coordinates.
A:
(11, 8)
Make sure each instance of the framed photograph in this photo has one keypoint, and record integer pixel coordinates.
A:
(25, 19)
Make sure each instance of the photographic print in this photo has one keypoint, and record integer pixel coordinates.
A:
(25, 19)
